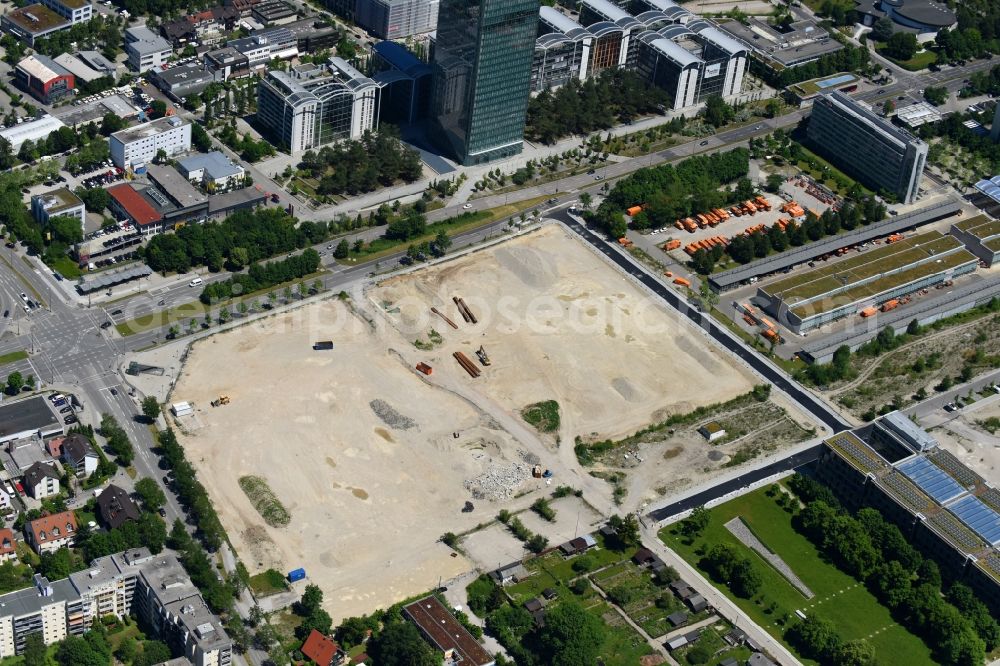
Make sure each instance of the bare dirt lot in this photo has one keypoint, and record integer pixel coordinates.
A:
(559, 324)
(971, 443)
(361, 449)
(368, 495)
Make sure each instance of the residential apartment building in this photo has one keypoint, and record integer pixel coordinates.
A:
(146, 50)
(153, 588)
(483, 77)
(77, 11)
(50, 533)
(866, 146)
(58, 203)
(41, 480)
(397, 19)
(314, 106)
(140, 144)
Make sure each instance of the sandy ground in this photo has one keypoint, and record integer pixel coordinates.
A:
(752, 7)
(368, 501)
(559, 323)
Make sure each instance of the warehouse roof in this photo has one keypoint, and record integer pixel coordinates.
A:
(77, 67)
(32, 130)
(778, 262)
(132, 203)
(441, 627)
(42, 67)
(215, 164)
(31, 414)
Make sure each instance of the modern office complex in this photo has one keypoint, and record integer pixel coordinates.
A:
(866, 146)
(482, 64)
(146, 50)
(942, 507)
(809, 299)
(405, 81)
(396, 19)
(778, 49)
(264, 46)
(314, 106)
(923, 17)
(32, 22)
(57, 203)
(140, 144)
(153, 588)
(666, 44)
(182, 80)
(76, 11)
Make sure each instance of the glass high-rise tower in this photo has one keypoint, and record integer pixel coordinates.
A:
(482, 66)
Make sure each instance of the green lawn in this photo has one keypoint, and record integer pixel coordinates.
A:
(839, 598)
(267, 583)
(921, 60)
(13, 356)
(66, 267)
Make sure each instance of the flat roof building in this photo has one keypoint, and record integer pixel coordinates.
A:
(263, 46)
(78, 68)
(77, 116)
(32, 22)
(397, 19)
(820, 295)
(127, 204)
(273, 12)
(182, 80)
(800, 43)
(213, 170)
(43, 78)
(227, 63)
(981, 236)
(313, 107)
(31, 417)
(58, 203)
(915, 115)
(76, 11)
(867, 146)
(146, 50)
(140, 144)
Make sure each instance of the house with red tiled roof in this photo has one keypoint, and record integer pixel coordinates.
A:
(50, 533)
(323, 650)
(8, 547)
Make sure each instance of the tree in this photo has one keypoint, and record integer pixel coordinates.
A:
(774, 182)
(901, 46)
(696, 523)
(936, 95)
(159, 108)
(150, 494)
(442, 242)
(816, 638)
(626, 530)
(153, 652)
(150, 407)
(855, 653)
(353, 631)
(882, 30)
(14, 382)
(586, 200)
(34, 650)
(342, 250)
(717, 111)
(571, 636)
(400, 644)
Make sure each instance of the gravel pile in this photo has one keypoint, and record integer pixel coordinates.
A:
(499, 481)
(390, 416)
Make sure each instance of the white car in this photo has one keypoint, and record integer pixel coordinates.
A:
(195, 282)
(466, 206)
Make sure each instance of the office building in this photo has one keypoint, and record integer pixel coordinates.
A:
(182, 80)
(140, 144)
(213, 171)
(264, 46)
(33, 22)
(777, 49)
(406, 84)
(482, 62)
(45, 79)
(981, 236)
(314, 106)
(667, 65)
(941, 506)
(153, 588)
(76, 11)
(227, 63)
(866, 146)
(146, 50)
(57, 203)
(922, 17)
(562, 51)
(273, 12)
(397, 19)
(173, 197)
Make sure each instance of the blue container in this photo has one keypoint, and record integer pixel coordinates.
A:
(297, 574)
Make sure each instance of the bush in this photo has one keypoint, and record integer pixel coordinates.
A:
(265, 501)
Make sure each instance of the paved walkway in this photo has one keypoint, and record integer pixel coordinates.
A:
(688, 628)
(742, 531)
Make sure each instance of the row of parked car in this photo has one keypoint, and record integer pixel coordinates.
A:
(112, 175)
(62, 403)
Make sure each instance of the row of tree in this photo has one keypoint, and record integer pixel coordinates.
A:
(118, 441)
(377, 159)
(613, 97)
(190, 492)
(243, 238)
(262, 276)
(744, 248)
(670, 190)
(875, 552)
(848, 59)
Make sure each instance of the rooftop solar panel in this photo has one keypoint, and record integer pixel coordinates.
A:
(931, 479)
(983, 520)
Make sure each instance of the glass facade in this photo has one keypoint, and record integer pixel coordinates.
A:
(482, 63)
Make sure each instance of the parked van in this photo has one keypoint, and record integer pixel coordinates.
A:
(195, 282)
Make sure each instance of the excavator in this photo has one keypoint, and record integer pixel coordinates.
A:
(223, 400)
(483, 357)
